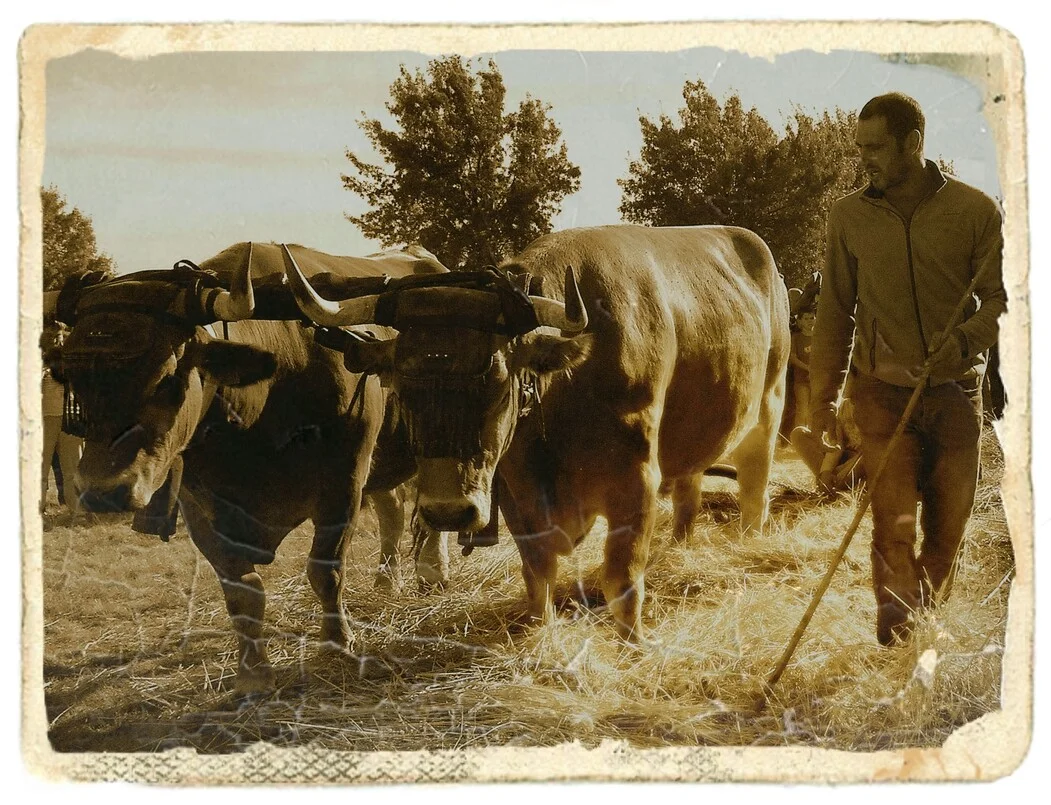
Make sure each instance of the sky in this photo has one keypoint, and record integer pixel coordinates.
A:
(180, 155)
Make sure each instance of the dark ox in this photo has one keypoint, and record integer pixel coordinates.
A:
(672, 353)
(268, 427)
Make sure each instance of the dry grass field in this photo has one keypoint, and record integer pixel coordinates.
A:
(139, 651)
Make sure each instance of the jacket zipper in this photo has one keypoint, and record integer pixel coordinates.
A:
(912, 277)
(912, 271)
(872, 349)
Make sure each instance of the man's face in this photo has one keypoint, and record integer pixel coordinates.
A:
(885, 162)
(807, 322)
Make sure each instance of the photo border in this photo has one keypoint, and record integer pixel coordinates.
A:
(987, 748)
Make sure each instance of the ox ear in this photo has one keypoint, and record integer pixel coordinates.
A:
(370, 357)
(545, 354)
(232, 364)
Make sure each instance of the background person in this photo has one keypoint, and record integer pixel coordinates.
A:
(68, 447)
(799, 358)
(805, 298)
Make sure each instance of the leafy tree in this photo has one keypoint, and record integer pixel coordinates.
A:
(709, 169)
(464, 179)
(814, 164)
(69, 241)
(723, 165)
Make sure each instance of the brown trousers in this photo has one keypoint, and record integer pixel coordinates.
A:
(934, 465)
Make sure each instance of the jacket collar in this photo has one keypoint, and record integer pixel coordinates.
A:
(938, 179)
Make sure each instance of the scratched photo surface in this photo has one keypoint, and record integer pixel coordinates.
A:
(233, 433)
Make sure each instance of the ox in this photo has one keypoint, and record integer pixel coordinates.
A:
(264, 423)
(672, 352)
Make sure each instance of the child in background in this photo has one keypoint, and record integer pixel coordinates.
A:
(799, 357)
(69, 447)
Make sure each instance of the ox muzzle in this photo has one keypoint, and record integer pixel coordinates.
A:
(452, 497)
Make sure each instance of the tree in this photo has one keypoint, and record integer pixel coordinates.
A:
(464, 179)
(814, 164)
(709, 169)
(69, 241)
(722, 165)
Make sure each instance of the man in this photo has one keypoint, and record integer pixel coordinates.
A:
(901, 253)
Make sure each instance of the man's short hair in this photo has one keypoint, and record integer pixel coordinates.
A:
(902, 113)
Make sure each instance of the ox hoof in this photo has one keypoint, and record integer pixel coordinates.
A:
(433, 572)
(426, 585)
(631, 633)
(258, 681)
(366, 667)
(648, 643)
(337, 648)
(384, 582)
(375, 669)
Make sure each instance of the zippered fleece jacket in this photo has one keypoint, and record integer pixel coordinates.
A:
(890, 285)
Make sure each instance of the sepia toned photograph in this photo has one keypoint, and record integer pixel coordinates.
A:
(449, 404)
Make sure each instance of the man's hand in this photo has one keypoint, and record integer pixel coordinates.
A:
(951, 352)
(825, 425)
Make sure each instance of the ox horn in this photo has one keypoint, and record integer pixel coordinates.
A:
(570, 317)
(74, 284)
(327, 313)
(239, 302)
